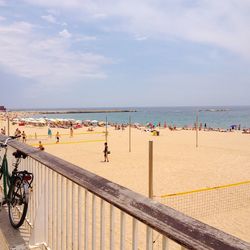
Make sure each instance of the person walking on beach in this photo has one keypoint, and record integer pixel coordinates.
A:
(49, 132)
(106, 152)
(24, 137)
(57, 137)
(71, 131)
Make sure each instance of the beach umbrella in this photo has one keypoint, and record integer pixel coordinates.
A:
(101, 123)
(86, 122)
(41, 120)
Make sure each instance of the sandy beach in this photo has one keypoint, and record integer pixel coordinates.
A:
(220, 159)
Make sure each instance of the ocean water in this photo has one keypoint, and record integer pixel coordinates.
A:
(216, 117)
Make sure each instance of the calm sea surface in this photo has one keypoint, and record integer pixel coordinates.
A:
(179, 116)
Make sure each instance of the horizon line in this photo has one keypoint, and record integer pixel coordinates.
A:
(118, 107)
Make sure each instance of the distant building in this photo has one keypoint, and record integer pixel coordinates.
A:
(2, 109)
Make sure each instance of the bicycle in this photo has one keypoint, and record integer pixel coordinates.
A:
(16, 186)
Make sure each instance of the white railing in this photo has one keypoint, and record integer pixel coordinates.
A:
(71, 208)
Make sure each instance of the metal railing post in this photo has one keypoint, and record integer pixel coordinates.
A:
(135, 234)
(112, 227)
(102, 228)
(80, 218)
(123, 231)
(93, 222)
(86, 220)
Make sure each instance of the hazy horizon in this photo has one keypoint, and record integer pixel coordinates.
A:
(126, 107)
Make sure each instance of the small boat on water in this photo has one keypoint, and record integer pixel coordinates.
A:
(217, 110)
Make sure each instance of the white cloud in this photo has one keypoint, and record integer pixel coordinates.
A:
(48, 60)
(2, 18)
(2, 3)
(65, 34)
(100, 15)
(223, 23)
(49, 18)
(140, 38)
(82, 38)
(54, 12)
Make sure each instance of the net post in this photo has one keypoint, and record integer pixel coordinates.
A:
(150, 171)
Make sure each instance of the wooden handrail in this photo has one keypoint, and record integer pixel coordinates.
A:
(186, 231)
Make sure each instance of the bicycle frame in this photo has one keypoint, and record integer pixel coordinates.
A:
(16, 187)
(5, 174)
(7, 177)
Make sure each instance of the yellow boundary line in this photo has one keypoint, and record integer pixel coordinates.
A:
(69, 134)
(205, 189)
(67, 142)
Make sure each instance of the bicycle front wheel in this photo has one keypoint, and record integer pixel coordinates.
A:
(18, 203)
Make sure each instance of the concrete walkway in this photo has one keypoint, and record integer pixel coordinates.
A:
(11, 238)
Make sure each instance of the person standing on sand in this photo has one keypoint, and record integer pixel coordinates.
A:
(106, 152)
(71, 131)
(57, 137)
(24, 137)
(49, 132)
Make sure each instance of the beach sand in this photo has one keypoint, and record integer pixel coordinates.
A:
(220, 159)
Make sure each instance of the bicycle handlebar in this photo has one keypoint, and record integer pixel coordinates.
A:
(14, 136)
(4, 144)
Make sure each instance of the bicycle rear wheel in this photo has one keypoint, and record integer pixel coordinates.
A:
(18, 203)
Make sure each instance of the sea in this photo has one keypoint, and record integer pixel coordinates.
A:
(216, 117)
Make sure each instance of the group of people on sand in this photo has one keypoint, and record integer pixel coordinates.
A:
(57, 135)
(71, 132)
(118, 126)
(18, 133)
(106, 151)
(23, 135)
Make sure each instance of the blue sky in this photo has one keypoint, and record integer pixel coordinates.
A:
(112, 53)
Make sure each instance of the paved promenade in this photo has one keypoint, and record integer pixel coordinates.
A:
(11, 238)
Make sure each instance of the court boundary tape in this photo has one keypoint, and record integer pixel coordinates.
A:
(83, 133)
(205, 189)
(66, 142)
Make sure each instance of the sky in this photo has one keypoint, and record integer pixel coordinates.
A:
(124, 53)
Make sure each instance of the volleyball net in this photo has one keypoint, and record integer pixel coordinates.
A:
(209, 201)
(41, 136)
